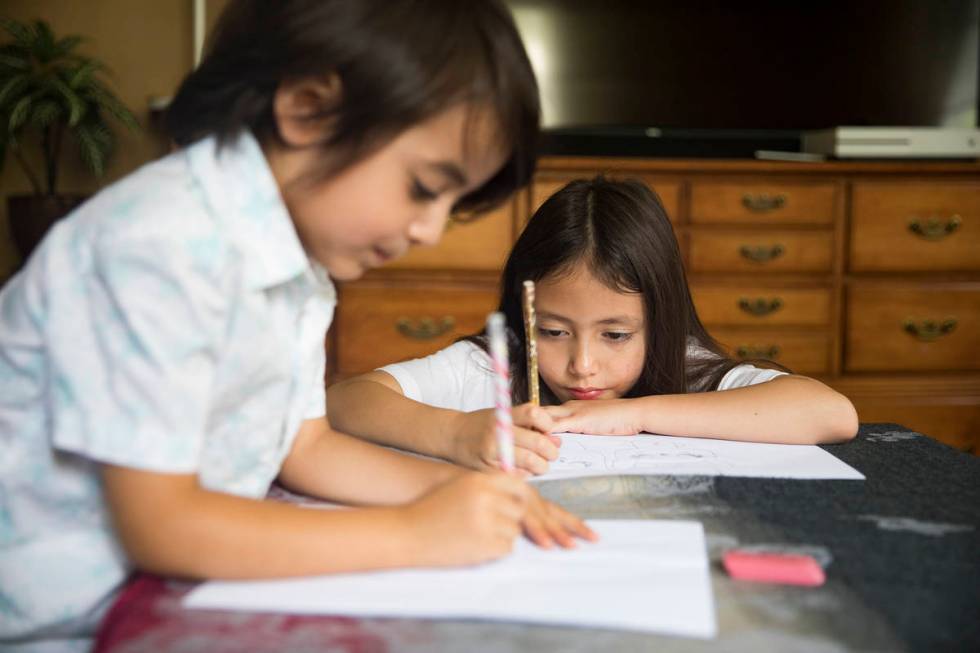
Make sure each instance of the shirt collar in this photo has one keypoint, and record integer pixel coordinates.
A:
(245, 198)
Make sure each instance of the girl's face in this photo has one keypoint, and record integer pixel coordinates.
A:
(397, 197)
(591, 338)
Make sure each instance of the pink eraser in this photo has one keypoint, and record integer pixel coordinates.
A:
(785, 568)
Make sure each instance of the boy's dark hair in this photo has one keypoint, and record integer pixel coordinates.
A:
(399, 63)
(621, 231)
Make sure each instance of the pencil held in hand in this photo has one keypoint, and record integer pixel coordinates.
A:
(501, 369)
(530, 331)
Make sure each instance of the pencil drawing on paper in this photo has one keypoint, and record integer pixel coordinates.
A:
(597, 455)
(617, 454)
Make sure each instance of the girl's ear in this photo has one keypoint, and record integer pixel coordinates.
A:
(303, 108)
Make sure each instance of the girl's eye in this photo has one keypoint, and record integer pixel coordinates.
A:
(550, 333)
(422, 193)
(617, 336)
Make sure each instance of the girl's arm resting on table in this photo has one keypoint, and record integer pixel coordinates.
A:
(331, 465)
(372, 406)
(788, 409)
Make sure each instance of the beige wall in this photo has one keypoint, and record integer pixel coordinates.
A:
(148, 46)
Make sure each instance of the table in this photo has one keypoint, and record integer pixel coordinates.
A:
(901, 549)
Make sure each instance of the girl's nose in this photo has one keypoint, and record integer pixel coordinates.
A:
(427, 227)
(581, 362)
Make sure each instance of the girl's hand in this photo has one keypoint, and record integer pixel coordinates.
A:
(598, 417)
(546, 523)
(475, 440)
(472, 518)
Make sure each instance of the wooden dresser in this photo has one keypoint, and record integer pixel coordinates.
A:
(863, 274)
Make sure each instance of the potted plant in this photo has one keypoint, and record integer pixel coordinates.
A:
(47, 92)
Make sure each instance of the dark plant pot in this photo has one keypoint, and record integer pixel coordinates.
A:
(30, 217)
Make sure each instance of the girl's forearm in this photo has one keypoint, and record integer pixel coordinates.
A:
(373, 411)
(336, 466)
(170, 525)
(788, 409)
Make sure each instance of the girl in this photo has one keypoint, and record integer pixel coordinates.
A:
(161, 355)
(620, 347)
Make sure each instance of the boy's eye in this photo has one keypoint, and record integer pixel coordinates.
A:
(422, 193)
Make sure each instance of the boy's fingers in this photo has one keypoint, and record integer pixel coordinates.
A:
(579, 527)
(537, 533)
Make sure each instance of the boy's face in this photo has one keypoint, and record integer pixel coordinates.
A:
(399, 196)
(591, 338)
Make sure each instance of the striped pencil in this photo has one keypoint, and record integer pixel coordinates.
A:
(501, 369)
(530, 331)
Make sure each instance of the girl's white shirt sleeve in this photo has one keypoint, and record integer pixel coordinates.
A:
(458, 377)
(745, 375)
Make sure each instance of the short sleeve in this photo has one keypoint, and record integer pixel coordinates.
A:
(746, 375)
(450, 378)
(132, 335)
(316, 406)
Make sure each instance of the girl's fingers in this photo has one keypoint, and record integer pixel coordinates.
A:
(530, 460)
(540, 444)
(556, 412)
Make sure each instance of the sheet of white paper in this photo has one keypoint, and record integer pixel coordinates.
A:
(602, 455)
(642, 575)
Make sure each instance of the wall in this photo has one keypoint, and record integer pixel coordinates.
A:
(147, 45)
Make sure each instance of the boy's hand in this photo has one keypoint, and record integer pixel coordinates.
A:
(472, 518)
(600, 417)
(475, 443)
(546, 523)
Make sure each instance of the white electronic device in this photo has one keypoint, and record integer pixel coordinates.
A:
(894, 142)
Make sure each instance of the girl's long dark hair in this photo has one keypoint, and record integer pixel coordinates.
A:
(621, 231)
(399, 62)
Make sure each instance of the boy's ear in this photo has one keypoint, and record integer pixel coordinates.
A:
(301, 106)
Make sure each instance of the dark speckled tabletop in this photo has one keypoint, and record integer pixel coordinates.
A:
(901, 552)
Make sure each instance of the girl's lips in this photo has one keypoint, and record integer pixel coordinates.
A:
(585, 393)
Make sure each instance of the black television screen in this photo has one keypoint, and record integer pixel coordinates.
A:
(744, 65)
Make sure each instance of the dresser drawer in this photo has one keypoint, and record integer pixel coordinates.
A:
(668, 190)
(755, 251)
(482, 244)
(915, 226)
(805, 353)
(762, 305)
(762, 202)
(379, 324)
(922, 328)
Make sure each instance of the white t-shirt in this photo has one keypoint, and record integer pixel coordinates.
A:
(459, 377)
(173, 323)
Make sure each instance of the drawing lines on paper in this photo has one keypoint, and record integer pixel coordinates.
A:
(617, 455)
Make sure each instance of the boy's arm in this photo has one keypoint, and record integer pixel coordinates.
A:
(788, 409)
(168, 524)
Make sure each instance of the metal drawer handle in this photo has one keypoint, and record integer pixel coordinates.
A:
(425, 328)
(934, 228)
(929, 330)
(760, 306)
(747, 351)
(763, 202)
(761, 253)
